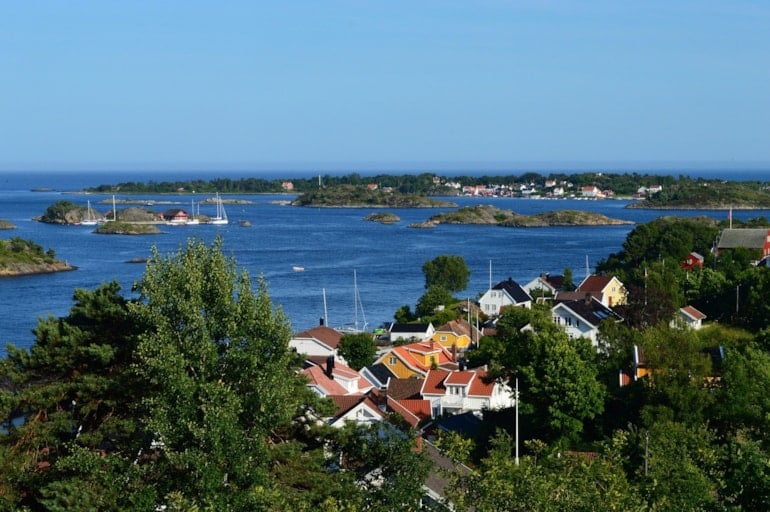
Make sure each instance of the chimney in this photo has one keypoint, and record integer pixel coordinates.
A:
(330, 366)
(462, 365)
(588, 298)
(321, 321)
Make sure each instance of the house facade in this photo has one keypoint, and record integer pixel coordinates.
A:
(689, 318)
(318, 341)
(544, 284)
(503, 294)
(692, 261)
(455, 392)
(456, 335)
(757, 238)
(416, 359)
(581, 318)
(410, 332)
(609, 288)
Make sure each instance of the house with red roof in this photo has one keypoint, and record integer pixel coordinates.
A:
(334, 378)
(608, 289)
(318, 341)
(465, 390)
(415, 360)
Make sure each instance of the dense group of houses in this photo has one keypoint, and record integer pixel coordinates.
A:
(422, 375)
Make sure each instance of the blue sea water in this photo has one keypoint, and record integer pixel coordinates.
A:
(331, 244)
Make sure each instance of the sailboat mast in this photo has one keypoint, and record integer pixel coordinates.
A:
(326, 313)
(355, 301)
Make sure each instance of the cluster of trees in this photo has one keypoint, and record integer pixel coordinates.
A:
(692, 434)
(187, 398)
(18, 250)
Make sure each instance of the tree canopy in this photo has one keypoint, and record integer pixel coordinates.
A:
(449, 272)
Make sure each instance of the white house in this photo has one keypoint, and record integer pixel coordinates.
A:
(503, 294)
(544, 284)
(464, 390)
(318, 341)
(359, 409)
(414, 332)
(689, 318)
(581, 318)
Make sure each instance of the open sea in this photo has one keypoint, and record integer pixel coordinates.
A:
(333, 245)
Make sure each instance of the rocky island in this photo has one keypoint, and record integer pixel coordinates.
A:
(351, 196)
(492, 216)
(383, 218)
(5, 224)
(19, 257)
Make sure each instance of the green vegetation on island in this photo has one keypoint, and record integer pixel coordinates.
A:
(700, 194)
(383, 218)
(24, 257)
(490, 215)
(652, 190)
(350, 196)
(126, 228)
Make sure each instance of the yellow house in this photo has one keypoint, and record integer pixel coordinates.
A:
(607, 289)
(456, 334)
(415, 359)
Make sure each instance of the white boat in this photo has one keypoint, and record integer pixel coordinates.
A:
(193, 219)
(354, 329)
(298, 268)
(89, 220)
(221, 215)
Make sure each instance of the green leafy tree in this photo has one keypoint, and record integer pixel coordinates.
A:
(435, 296)
(449, 272)
(558, 376)
(568, 284)
(217, 360)
(358, 349)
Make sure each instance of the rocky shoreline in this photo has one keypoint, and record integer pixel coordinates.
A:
(26, 269)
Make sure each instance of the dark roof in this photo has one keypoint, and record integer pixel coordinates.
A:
(402, 389)
(467, 424)
(442, 466)
(381, 372)
(749, 238)
(417, 328)
(592, 311)
(556, 282)
(514, 290)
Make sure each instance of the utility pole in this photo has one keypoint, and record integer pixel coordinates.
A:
(516, 460)
(737, 296)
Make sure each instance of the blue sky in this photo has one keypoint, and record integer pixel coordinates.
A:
(359, 85)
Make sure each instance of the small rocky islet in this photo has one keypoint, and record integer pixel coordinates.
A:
(492, 216)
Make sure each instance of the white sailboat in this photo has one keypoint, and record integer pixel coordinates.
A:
(221, 215)
(193, 219)
(90, 220)
(356, 306)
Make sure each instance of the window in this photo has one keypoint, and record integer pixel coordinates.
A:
(442, 338)
(392, 360)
